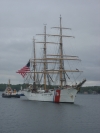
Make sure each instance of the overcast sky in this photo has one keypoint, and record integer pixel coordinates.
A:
(20, 20)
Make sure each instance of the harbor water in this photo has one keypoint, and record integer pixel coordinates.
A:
(19, 115)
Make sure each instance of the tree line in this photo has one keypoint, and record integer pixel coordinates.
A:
(17, 87)
(88, 89)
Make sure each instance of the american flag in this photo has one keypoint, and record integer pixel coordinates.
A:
(24, 70)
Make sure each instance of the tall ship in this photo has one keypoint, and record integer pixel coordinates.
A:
(49, 73)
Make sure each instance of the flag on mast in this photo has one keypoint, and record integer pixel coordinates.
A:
(24, 70)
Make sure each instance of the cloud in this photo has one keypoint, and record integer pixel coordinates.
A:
(21, 20)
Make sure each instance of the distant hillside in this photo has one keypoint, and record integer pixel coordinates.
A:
(17, 87)
(89, 89)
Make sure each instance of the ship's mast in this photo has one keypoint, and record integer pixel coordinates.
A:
(45, 64)
(9, 83)
(61, 55)
(34, 64)
(59, 58)
(44, 59)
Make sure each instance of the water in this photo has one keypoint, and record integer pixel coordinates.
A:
(18, 115)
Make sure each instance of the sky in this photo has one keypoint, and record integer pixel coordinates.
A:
(20, 20)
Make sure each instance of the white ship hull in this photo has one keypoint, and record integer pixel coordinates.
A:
(63, 95)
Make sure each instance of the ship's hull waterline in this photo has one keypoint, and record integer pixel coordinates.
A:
(58, 96)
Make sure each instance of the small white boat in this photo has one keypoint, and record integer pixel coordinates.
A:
(20, 92)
